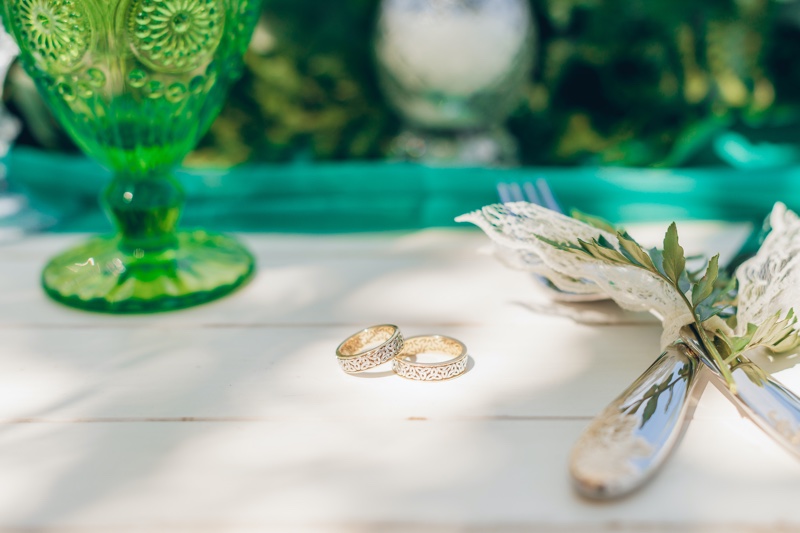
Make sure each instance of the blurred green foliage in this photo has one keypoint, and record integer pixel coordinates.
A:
(631, 82)
(309, 90)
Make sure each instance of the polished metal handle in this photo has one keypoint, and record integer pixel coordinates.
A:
(760, 397)
(627, 443)
(770, 405)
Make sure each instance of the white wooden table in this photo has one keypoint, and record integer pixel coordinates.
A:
(234, 416)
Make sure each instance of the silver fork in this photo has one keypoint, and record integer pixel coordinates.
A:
(632, 438)
(629, 441)
(623, 447)
(539, 193)
(626, 444)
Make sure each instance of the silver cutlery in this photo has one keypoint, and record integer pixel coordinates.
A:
(630, 440)
(647, 421)
(539, 193)
(763, 399)
(626, 444)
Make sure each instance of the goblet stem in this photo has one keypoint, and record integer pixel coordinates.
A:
(149, 265)
(136, 83)
(145, 210)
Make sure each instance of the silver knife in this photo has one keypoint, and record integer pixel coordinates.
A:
(629, 441)
(760, 397)
(625, 445)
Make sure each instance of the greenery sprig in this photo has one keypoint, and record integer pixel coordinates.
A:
(707, 294)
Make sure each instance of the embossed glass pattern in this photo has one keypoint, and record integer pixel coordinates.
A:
(136, 83)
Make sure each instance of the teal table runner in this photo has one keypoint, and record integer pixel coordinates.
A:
(373, 196)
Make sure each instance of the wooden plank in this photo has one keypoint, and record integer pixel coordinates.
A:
(411, 279)
(549, 367)
(44, 245)
(428, 277)
(357, 475)
(235, 417)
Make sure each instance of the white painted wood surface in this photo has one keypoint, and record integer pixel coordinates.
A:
(234, 416)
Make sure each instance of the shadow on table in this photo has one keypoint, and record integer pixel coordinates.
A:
(236, 413)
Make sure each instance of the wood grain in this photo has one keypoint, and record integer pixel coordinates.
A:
(235, 417)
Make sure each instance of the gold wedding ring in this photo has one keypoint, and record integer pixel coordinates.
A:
(406, 365)
(369, 348)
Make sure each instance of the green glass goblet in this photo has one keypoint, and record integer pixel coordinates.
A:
(136, 83)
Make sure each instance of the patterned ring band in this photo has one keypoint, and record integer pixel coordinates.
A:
(406, 365)
(369, 348)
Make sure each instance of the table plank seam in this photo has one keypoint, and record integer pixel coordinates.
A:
(268, 419)
(222, 325)
(283, 325)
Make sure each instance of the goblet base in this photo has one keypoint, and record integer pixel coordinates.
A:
(106, 275)
(492, 146)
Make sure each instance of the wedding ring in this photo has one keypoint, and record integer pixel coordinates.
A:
(369, 348)
(406, 365)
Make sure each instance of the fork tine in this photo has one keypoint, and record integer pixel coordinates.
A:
(547, 195)
(538, 193)
(516, 192)
(502, 192)
(531, 194)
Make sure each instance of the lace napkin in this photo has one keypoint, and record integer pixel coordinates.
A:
(767, 283)
(516, 229)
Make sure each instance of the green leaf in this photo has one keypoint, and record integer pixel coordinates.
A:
(753, 373)
(674, 259)
(775, 333)
(658, 259)
(631, 249)
(740, 343)
(605, 254)
(602, 241)
(779, 335)
(790, 344)
(563, 246)
(720, 302)
(649, 409)
(704, 311)
(684, 283)
(595, 222)
(723, 344)
(705, 287)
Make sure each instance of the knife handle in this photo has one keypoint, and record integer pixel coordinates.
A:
(763, 399)
(627, 443)
(770, 405)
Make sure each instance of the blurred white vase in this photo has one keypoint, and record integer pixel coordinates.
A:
(454, 70)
